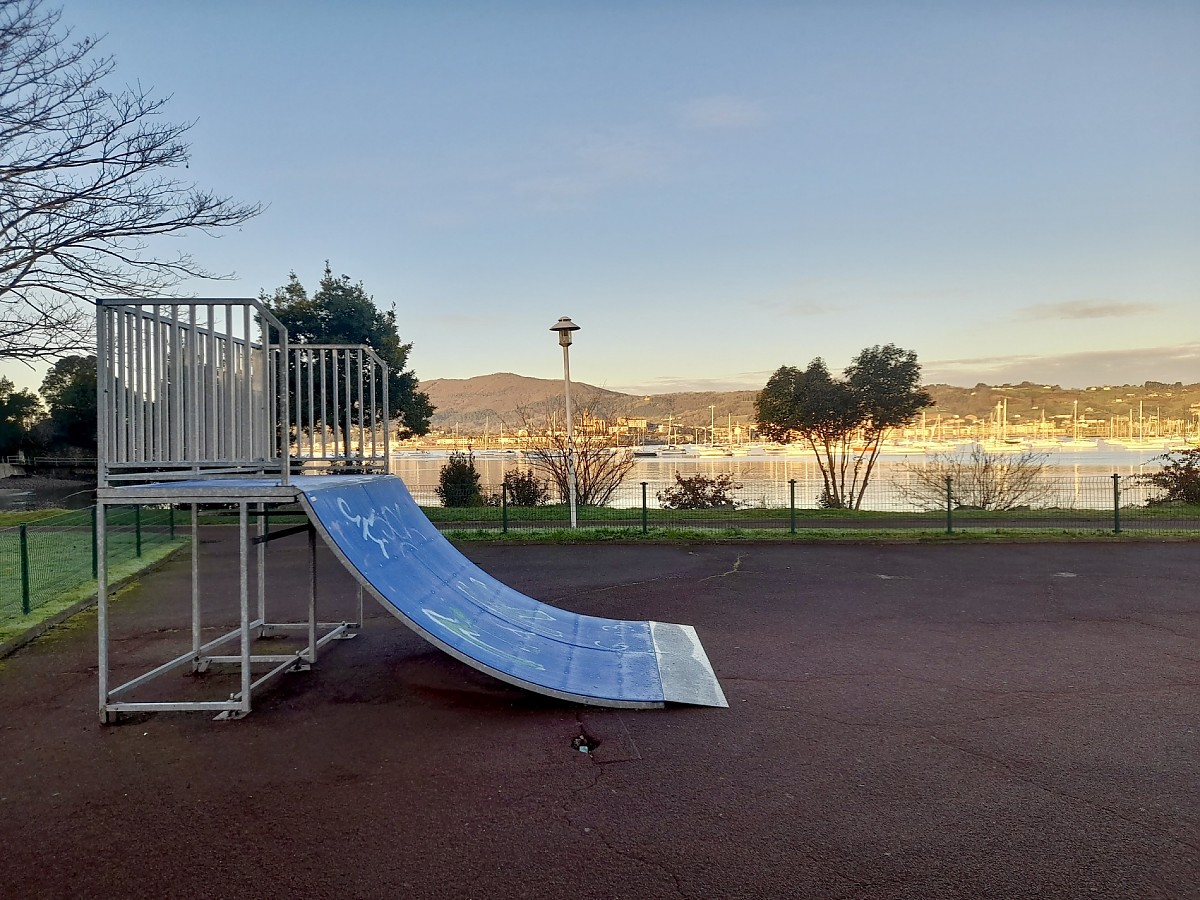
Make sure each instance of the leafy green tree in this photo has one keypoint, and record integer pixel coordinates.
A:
(341, 312)
(843, 420)
(69, 389)
(458, 482)
(19, 410)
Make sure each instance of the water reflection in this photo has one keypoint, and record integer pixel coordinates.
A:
(1074, 479)
(17, 493)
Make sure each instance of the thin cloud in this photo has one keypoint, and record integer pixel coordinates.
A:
(746, 381)
(723, 112)
(1178, 362)
(587, 164)
(1089, 309)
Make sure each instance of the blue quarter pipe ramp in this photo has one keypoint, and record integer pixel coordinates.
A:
(381, 535)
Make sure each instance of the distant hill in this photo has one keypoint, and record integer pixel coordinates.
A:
(486, 402)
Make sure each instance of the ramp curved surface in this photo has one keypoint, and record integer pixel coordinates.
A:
(376, 528)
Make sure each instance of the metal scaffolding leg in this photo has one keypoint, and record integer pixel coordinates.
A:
(201, 656)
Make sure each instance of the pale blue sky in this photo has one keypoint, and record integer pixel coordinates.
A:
(711, 190)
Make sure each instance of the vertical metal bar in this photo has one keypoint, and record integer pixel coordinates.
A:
(230, 421)
(120, 383)
(103, 370)
(336, 414)
(196, 637)
(171, 521)
(297, 381)
(312, 594)
(348, 424)
(139, 388)
(1116, 479)
(23, 532)
(95, 572)
(645, 510)
(137, 530)
(244, 598)
(263, 527)
(387, 421)
(362, 435)
(312, 422)
(374, 369)
(949, 504)
(178, 410)
(102, 605)
(211, 444)
(792, 505)
(195, 417)
(156, 381)
(324, 404)
(503, 508)
(285, 409)
(250, 419)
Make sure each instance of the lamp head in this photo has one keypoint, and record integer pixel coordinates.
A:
(564, 326)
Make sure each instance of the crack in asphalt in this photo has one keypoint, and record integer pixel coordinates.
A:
(600, 835)
(618, 587)
(1016, 776)
(737, 565)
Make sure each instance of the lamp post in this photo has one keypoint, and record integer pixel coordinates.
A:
(712, 424)
(564, 326)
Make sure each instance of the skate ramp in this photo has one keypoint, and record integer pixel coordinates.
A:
(376, 528)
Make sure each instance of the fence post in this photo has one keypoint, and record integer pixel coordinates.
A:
(95, 559)
(24, 569)
(503, 508)
(949, 505)
(645, 510)
(792, 505)
(137, 530)
(1116, 503)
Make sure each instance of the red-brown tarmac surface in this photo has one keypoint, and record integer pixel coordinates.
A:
(983, 720)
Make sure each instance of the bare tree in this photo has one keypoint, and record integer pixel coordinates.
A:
(978, 480)
(599, 465)
(84, 183)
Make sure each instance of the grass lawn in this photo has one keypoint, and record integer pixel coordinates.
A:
(54, 568)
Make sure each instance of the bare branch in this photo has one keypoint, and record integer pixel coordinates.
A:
(85, 180)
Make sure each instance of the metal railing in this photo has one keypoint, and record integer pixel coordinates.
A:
(1110, 504)
(193, 388)
(339, 398)
(53, 557)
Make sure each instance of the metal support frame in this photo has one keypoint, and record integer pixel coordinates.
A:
(202, 656)
(202, 394)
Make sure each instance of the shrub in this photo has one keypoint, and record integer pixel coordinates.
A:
(458, 482)
(700, 492)
(979, 479)
(525, 488)
(1179, 478)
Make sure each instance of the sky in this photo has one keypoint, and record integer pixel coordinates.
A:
(709, 189)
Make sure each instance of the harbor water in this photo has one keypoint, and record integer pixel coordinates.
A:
(1080, 479)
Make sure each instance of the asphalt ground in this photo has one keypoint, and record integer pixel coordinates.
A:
(906, 720)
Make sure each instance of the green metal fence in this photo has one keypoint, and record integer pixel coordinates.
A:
(1071, 504)
(46, 558)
